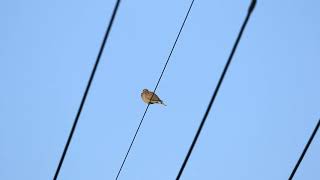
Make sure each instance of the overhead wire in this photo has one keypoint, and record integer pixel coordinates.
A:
(304, 150)
(250, 10)
(107, 32)
(137, 130)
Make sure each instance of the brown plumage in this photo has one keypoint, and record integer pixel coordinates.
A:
(146, 97)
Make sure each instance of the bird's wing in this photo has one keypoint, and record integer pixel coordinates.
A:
(154, 97)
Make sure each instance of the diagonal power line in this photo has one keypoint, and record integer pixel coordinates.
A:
(87, 89)
(304, 150)
(250, 10)
(164, 68)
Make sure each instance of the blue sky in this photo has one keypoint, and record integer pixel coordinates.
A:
(265, 111)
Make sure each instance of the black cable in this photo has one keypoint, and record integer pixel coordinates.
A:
(134, 137)
(87, 89)
(250, 10)
(305, 150)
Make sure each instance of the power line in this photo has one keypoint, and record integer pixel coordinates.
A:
(250, 10)
(305, 150)
(87, 89)
(134, 137)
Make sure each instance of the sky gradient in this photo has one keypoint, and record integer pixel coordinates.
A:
(264, 113)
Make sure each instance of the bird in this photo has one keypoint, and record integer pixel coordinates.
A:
(146, 96)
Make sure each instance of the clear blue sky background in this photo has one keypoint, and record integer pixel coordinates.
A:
(265, 112)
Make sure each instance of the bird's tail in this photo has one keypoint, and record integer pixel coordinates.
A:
(161, 102)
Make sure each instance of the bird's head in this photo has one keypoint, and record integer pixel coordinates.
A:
(145, 90)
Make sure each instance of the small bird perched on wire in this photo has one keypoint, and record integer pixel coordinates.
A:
(146, 96)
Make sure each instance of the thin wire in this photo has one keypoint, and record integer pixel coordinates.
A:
(134, 137)
(250, 10)
(87, 89)
(304, 150)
